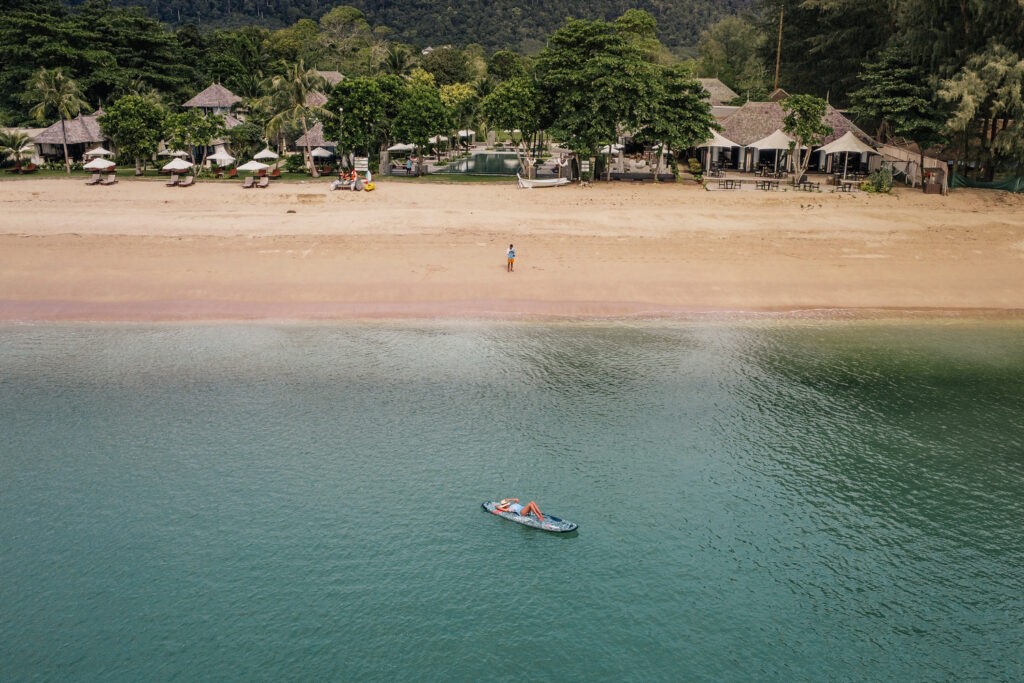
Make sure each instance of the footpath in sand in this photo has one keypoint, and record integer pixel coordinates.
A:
(140, 250)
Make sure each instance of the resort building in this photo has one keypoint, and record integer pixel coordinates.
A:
(83, 133)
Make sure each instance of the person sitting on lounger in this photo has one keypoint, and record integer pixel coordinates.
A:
(512, 505)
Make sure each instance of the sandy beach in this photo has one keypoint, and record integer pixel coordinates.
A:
(142, 251)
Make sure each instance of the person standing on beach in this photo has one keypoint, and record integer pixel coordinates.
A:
(511, 258)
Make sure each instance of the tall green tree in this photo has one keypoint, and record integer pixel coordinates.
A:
(289, 103)
(733, 51)
(191, 130)
(681, 117)
(447, 65)
(55, 94)
(515, 105)
(597, 83)
(987, 100)
(805, 121)
(136, 124)
(361, 124)
(896, 95)
(421, 114)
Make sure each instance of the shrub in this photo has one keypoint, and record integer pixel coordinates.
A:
(879, 181)
(695, 169)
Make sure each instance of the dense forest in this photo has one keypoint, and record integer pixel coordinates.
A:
(942, 73)
(514, 24)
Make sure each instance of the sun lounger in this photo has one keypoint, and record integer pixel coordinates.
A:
(264, 182)
(188, 181)
(276, 173)
(174, 180)
(233, 173)
(109, 180)
(249, 182)
(94, 180)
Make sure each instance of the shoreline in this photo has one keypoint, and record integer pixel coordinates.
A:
(139, 251)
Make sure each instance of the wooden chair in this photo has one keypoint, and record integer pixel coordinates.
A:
(233, 173)
(276, 173)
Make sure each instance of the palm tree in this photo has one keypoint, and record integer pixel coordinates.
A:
(288, 102)
(53, 91)
(399, 60)
(12, 144)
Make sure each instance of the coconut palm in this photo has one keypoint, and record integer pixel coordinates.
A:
(399, 60)
(288, 102)
(55, 93)
(12, 144)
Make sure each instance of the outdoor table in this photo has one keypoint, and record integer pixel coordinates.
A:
(846, 186)
(767, 185)
(729, 184)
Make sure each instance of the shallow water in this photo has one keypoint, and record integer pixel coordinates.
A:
(756, 500)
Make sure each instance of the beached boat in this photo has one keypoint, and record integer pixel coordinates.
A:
(527, 183)
(550, 522)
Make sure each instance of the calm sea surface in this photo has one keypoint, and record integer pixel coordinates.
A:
(757, 501)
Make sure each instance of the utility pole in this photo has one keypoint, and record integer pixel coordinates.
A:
(778, 50)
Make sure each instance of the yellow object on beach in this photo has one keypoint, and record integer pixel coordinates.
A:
(369, 187)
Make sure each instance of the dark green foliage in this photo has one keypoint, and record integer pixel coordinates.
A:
(516, 24)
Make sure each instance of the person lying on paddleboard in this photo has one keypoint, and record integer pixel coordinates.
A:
(512, 505)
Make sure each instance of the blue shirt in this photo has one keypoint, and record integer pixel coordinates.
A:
(515, 507)
(511, 253)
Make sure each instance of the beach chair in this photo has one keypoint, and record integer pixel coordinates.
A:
(276, 173)
(264, 182)
(109, 180)
(249, 182)
(233, 173)
(189, 181)
(31, 168)
(174, 180)
(94, 180)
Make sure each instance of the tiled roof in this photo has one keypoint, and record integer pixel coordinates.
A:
(756, 120)
(316, 138)
(720, 92)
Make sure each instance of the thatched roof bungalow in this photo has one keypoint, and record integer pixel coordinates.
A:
(83, 133)
(315, 138)
(214, 100)
(332, 77)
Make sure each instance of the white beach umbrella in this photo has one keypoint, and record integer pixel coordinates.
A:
(610, 149)
(466, 133)
(98, 152)
(717, 140)
(177, 165)
(321, 153)
(99, 164)
(401, 147)
(846, 144)
(265, 153)
(438, 138)
(253, 166)
(222, 158)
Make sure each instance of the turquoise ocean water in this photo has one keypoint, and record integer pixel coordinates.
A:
(773, 500)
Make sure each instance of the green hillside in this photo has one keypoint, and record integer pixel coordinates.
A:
(516, 24)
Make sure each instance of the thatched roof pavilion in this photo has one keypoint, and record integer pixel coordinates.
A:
(332, 77)
(719, 92)
(216, 100)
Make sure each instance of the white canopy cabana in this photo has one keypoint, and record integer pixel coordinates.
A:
(438, 138)
(718, 140)
(265, 153)
(777, 140)
(847, 144)
(401, 147)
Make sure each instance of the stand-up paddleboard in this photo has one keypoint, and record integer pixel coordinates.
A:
(550, 522)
